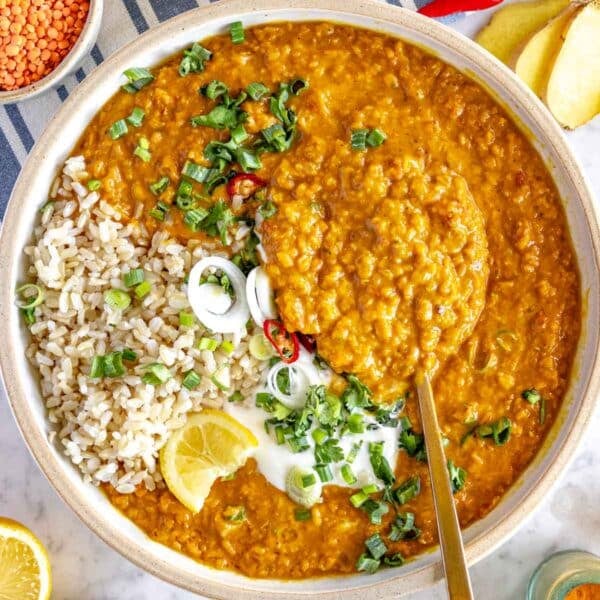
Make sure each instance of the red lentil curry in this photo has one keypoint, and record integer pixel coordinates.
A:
(415, 227)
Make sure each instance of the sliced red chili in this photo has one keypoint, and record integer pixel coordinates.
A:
(285, 343)
(441, 8)
(244, 185)
(308, 341)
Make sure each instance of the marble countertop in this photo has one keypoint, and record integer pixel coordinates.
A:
(85, 568)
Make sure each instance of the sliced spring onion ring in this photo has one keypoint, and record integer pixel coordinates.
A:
(260, 296)
(302, 486)
(302, 374)
(32, 295)
(260, 347)
(234, 317)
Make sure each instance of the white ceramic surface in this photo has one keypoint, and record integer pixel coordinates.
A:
(70, 62)
(33, 185)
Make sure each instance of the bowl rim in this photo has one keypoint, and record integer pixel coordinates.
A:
(10, 253)
(80, 48)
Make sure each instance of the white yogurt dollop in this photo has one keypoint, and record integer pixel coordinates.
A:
(274, 461)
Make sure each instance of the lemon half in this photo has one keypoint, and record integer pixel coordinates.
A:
(210, 445)
(24, 565)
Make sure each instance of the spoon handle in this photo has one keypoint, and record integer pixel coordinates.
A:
(453, 554)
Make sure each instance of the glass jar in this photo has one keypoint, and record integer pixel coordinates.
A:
(562, 572)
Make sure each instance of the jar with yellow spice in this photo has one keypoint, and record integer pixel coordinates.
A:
(569, 575)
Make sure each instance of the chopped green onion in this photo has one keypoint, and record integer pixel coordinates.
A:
(296, 444)
(376, 510)
(371, 488)
(142, 150)
(194, 217)
(458, 476)
(186, 319)
(94, 185)
(498, 430)
(236, 31)
(355, 423)
(158, 187)
(208, 344)
(267, 210)
(257, 90)
(531, 395)
(159, 212)
(28, 315)
(118, 129)
(247, 159)
(32, 295)
(214, 89)
(191, 380)
(279, 435)
(227, 347)
(308, 480)
(156, 373)
(376, 546)
(239, 134)
(302, 514)
(358, 499)
(97, 368)
(380, 464)
(134, 277)
(236, 396)
(358, 139)
(136, 117)
(394, 560)
(319, 435)
(184, 199)
(113, 365)
(117, 299)
(407, 490)
(143, 289)
(194, 60)
(347, 474)
(46, 206)
(367, 564)
(375, 138)
(324, 472)
(215, 379)
(110, 365)
(129, 354)
(403, 528)
(194, 171)
(354, 452)
(138, 78)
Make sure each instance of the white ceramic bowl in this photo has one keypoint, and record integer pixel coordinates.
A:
(47, 157)
(69, 63)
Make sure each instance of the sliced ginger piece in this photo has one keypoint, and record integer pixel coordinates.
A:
(513, 24)
(573, 92)
(534, 60)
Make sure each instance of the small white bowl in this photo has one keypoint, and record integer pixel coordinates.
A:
(69, 63)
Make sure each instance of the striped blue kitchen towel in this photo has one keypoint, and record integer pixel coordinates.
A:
(123, 20)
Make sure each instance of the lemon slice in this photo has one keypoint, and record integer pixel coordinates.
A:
(210, 445)
(24, 565)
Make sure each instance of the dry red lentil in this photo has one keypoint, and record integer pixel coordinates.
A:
(35, 36)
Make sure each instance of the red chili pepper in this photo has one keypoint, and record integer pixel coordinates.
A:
(244, 185)
(441, 8)
(285, 343)
(308, 341)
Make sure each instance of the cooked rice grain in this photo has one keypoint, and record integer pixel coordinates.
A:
(112, 429)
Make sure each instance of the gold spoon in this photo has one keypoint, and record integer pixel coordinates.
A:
(453, 553)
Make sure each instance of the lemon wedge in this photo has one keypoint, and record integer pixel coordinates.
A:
(210, 445)
(24, 565)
